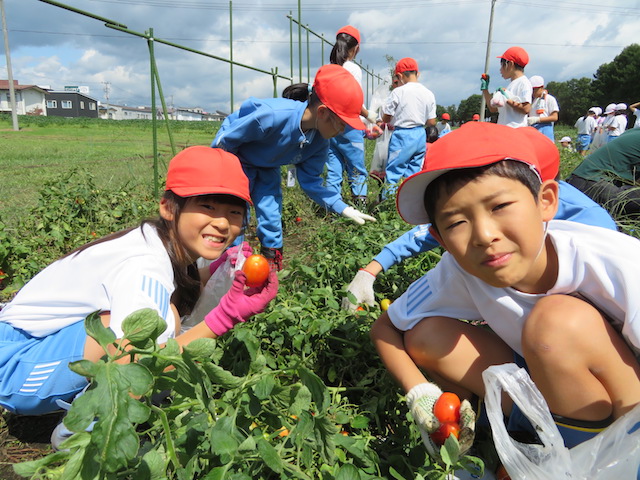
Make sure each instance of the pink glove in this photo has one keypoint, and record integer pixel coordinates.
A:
(238, 304)
(233, 252)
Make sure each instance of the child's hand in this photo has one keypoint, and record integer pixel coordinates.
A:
(484, 81)
(421, 400)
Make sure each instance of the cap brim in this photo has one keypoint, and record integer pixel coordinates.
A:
(410, 197)
(195, 191)
(353, 122)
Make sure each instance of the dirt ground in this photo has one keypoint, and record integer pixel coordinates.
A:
(24, 438)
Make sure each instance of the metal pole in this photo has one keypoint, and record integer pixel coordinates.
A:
(486, 58)
(300, 41)
(231, 52)
(308, 57)
(156, 186)
(291, 43)
(12, 92)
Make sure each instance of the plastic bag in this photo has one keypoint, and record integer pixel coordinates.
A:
(378, 99)
(218, 284)
(380, 153)
(613, 454)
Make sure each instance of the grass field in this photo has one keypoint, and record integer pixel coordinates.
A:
(115, 152)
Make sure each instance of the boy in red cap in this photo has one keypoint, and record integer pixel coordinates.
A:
(512, 103)
(410, 107)
(559, 297)
(443, 125)
(268, 133)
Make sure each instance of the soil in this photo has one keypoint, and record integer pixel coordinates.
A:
(24, 438)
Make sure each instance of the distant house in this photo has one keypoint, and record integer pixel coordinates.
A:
(122, 112)
(71, 105)
(30, 99)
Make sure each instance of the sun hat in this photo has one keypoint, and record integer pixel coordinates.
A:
(517, 55)
(446, 116)
(565, 140)
(610, 108)
(594, 110)
(621, 106)
(537, 81)
(340, 92)
(201, 170)
(406, 64)
(474, 144)
(349, 30)
(476, 116)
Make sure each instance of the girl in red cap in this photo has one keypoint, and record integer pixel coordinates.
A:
(151, 266)
(346, 151)
(269, 133)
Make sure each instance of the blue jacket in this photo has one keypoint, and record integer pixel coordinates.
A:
(573, 205)
(266, 133)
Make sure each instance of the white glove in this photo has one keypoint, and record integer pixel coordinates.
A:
(533, 120)
(360, 287)
(372, 117)
(357, 216)
(421, 400)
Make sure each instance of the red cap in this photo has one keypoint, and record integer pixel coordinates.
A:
(406, 64)
(517, 55)
(476, 116)
(201, 170)
(446, 116)
(474, 144)
(349, 30)
(341, 93)
(546, 151)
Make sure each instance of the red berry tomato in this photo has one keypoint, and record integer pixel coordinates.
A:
(444, 431)
(484, 76)
(256, 268)
(447, 408)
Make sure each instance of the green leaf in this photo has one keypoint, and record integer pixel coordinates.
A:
(360, 421)
(264, 387)
(154, 465)
(318, 390)
(86, 368)
(143, 326)
(348, 472)
(201, 348)
(450, 451)
(220, 376)
(96, 330)
(301, 402)
(270, 456)
(221, 442)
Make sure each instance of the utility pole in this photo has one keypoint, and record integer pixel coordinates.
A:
(107, 89)
(12, 91)
(486, 58)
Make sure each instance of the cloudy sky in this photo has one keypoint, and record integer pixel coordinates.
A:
(55, 47)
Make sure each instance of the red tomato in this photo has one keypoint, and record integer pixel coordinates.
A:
(447, 408)
(256, 268)
(443, 432)
(484, 76)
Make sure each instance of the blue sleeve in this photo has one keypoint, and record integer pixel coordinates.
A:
(415, 241)
(252, 122)
(309, 174)
(576, 206)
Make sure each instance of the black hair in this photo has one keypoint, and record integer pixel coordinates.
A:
(408, 73)
(340, 51)
(445, 183)
(503, 62)
(301, 92)
(432, 133)
(186, 279)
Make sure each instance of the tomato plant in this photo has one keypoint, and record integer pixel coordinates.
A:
(256, 268)
(447, 408)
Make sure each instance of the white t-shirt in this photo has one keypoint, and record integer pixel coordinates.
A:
(547, 103)
(586, 125)
(410, 105)
(620, 124)
(354, 70)
(636, 112)
(507, 115)
(600, 264)
(118, 276)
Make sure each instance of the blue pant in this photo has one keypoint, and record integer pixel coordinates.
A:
(266, 193)
(346, 153)
(407, 147)
(546, 129)
(34, 371)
